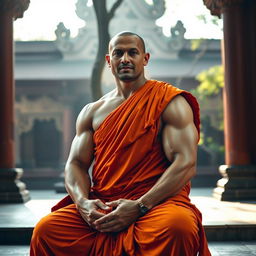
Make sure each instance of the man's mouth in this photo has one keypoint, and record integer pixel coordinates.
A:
(125, 67)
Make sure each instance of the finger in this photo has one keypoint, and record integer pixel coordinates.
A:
(113, 203)
(106, 224)
(91, 217)
(88, 220)
(95, 215)
(101, 205)
(107, 218)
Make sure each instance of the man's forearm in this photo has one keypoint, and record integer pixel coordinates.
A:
(170, 183)
(77, 182)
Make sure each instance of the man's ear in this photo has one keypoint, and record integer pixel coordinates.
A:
(146, 59)
(107, 57)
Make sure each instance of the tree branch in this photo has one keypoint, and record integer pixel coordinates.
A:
(113, 9)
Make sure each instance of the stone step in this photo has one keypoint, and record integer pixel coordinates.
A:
(237, 248)
(223, 221)
(234, 232)
(22, 235)
(15, 236)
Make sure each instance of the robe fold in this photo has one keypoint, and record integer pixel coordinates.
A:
(129, 159)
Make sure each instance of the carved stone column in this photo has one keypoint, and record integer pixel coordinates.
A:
(11, 188)
(239, 172)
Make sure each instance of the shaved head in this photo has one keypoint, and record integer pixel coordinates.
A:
(127, 57)
(127, 33)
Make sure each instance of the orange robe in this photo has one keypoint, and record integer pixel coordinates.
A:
(129, 159)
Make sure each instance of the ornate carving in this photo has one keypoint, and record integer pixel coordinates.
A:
(216, 6)
(63, 37)
(177, 40)
(73, 46)
(84, 45)
(26, 121)
(83, 11)
(158, 8)
(16, 7)
(66, 43)
(42, 109)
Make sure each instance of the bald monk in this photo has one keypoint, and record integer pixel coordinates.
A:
(142, 140)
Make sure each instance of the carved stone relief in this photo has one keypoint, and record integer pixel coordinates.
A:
(177, 41)
(133, 12)
(27, 111)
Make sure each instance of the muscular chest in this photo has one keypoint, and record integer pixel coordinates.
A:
(107, 107)
(104, 110)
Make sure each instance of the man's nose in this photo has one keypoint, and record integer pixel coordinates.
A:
(125, 58)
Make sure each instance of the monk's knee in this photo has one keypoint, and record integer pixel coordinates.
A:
(183, 226)
(42, 229)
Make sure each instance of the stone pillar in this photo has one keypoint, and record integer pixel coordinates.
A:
(239, 172)
(12, 190)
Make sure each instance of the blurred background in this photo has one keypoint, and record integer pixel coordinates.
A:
(59, 66)
(56, 44)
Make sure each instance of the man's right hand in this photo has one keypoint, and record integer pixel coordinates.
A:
(92, 210)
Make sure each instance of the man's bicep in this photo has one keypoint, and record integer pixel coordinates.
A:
(180, 142)
(82, 149)
(180, 135)
(82, 146)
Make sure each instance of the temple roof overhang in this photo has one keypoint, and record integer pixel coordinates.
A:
(72, 57)
(43, 61)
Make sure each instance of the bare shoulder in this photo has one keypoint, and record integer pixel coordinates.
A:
(83, 121)
(85, 118)
(178, 112)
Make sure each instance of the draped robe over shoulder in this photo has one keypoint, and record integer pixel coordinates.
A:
(129, 159)
(128, 154)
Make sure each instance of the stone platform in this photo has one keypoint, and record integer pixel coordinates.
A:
(245, 248)
(224, 222)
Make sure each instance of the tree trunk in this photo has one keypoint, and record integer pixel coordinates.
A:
(103, 34)
(103, 19)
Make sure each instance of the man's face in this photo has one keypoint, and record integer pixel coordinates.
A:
(127, 58)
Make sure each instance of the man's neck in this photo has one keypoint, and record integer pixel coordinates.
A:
(126, 89)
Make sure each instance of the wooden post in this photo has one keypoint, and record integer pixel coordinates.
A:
(239, 172)
(12, 190)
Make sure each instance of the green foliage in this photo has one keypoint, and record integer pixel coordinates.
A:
(211, 82)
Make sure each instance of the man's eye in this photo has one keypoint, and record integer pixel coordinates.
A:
(133, 53)
(118, 53)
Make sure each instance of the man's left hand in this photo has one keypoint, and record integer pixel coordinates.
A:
(124, 214)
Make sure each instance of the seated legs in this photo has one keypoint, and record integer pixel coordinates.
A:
(168, 229)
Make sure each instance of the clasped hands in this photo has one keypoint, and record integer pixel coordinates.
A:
(111, 216)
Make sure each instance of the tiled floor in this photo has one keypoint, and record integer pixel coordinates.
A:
(216, 248)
